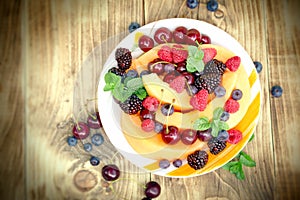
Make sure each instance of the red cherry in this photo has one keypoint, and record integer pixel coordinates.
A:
(170, 135)
(188, 136)
(81, 130)
(93, 121)
(194, 34)
(190, 79)
(146, 43)
(163, 35)
(205, 39)
(182, 29)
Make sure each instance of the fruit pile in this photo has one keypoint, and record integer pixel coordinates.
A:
(188, 77)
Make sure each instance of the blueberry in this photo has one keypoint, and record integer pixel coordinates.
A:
(164, 163)
(133, 26)
(223, 135)
(132, 73)
(94, 161)
(192, 3)
(144, 72)
(167, 109)
(258, 66)
(158, 127)
(192, 90)
(97, 139)
(225, 116)
(177, 163)
(72, 141)
(276, 91)
(237, 94)
(88, 147)
(220, 91)
(169, 68)
(212, 5)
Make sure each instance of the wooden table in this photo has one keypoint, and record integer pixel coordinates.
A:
(45, 43)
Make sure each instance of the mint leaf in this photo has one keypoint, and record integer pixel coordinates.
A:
(217, 113)
(240, 174)
(191, 65)
(199, 55)
(192, 50)
(235, 168)
(252, 137)
(141, 93)
(111, 80)
(215, 128)
(120, 93)
(135, 83)
(202, 124)
(127, 79)
(223, 126)
(246, 160)
(229, 164)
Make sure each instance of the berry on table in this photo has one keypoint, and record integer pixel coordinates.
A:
(234, 136)
(110, 172)
(93, 121)
(258, 66)
(97, 139)
(150, 103)
(94, 161)
(81, 130)
(199, 101)
(133, 26)
(132, 105)
(276, 91)
(152, 189)
(146, 198)
(72, 141)
(87, 147)
(198, 159)
(231, 106)
(236, 94)
(233, 63)
(164, 164)
(216, 146)
(123, 58)
(192, 3)
(212, 5)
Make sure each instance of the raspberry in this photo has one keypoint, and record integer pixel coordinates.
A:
(209, 54)
(233, 63)
(179, 54)
(231, 106)
(199, 101)
(165, 53)
(234, 136)
(151, 103)
(178, 84)
(148, 125)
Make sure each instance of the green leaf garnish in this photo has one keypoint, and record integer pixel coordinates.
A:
(246, 160)
(202, 124)
(135, 83)
(194, 60)
(252, 137)
(141, 93)
(222, 126)
(217, 113)
(215, 128)
(111, 80)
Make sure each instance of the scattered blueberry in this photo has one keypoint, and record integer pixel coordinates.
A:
(167, 109)
(258, 66)
(164, 163)
(158, 127)
(192, 3)
(132, 73)
(177, 163)
(94, 161)
(212, 5)
(72, 141)
(88, 147)
(223, 135)
(276, 91)
(237, 94)
(97, 139)
(220, 91)
(144, 72)
(225, 116)
(133, 26)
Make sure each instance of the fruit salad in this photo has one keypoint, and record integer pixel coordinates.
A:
(181, 99)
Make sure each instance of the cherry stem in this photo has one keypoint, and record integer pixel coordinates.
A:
(76, 121)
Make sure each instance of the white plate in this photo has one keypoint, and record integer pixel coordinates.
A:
(110, 112)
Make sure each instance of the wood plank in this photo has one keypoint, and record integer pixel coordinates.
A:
(60, 35)
(284, 61)
(243, 26)
(11, 103)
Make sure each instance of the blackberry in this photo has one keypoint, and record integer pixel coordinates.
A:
(214, 66)
(198, 159)
(132, 105)
(116, 71)
(123, 58)
(208, 82)
(216, 146)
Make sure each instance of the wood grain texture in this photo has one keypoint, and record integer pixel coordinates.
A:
(11, 103)
(283, 42)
